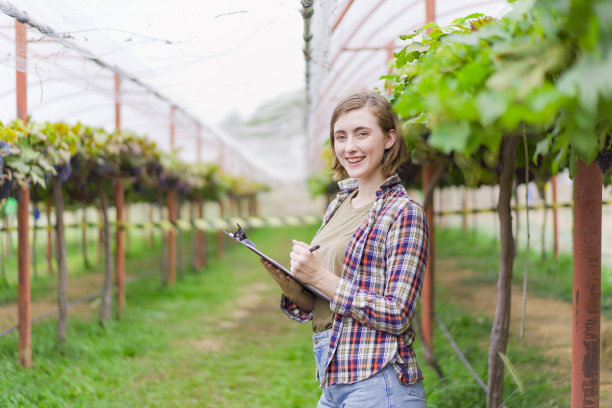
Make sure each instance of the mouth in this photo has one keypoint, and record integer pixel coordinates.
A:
(354, 160)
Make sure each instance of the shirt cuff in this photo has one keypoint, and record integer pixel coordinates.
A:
(343, 297)
(293, 311)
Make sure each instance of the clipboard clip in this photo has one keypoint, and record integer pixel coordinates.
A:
(240, 236)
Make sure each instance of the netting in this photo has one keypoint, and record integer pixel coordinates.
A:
(160, 51)
(355, 41)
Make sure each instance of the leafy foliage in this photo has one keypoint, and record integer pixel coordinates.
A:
(466, 86)
(81, 158)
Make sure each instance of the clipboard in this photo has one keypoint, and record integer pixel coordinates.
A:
(240, 237)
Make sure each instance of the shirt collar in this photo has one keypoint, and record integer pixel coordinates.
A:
(347, 186)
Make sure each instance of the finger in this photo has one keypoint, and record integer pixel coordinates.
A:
(300, 244)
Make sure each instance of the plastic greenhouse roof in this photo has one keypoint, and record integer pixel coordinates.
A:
(209, 59)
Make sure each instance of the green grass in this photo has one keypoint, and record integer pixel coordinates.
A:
(186, 346)
(543, 386)
(44, 283)
(546, 276)
(171, 348)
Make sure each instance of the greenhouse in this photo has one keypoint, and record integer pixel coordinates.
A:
(425, 183)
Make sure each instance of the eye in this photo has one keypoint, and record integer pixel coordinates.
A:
(340, 137)
(362, 134)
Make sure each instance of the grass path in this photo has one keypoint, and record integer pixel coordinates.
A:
(192, 345)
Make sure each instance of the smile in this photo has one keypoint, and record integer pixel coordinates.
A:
(354, 160)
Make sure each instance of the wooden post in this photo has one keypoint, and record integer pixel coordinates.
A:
(586, 314)
(427, 296)
(172, 237)
(119, 250)
(23, 208)
(555, 216)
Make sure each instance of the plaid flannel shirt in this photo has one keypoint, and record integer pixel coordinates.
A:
(376, 297)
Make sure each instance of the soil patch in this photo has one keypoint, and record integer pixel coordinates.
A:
(547, 324)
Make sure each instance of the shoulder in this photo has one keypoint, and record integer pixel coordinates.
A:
(399, 204)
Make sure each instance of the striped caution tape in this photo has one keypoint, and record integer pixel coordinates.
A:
(203, 224)
(515, 208)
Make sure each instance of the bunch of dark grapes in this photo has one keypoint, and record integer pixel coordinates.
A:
(604, 160)
(63, 172)
(75, 162)
(5, 149)
(6, 178)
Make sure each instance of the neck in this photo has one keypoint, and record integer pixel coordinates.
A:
(369, 187)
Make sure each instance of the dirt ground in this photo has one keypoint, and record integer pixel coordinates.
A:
(548, 321)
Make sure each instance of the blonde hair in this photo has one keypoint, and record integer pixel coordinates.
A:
(387, 120)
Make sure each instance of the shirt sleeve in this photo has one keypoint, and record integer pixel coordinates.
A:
(293, 311)
(406, 257)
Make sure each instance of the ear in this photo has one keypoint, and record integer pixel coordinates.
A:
(390, 139)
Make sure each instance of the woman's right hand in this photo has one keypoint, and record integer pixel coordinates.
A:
(290, 287)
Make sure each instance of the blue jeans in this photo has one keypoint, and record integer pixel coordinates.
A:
(382, 390)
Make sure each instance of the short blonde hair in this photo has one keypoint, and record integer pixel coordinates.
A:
(387, 120)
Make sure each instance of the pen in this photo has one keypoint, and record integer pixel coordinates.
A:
(314, 248)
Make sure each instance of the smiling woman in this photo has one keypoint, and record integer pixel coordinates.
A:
(373, 250)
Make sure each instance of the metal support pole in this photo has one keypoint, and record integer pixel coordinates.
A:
(586, 314)
(427, 297)
(172, 237)
(117, 102)
(119, 253)
(23, 209)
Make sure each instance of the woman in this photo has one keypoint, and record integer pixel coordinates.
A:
(372, 256)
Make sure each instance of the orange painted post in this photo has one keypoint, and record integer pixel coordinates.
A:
(23, 209)
(586, 314)
(117, 102)
(119, 251)
(172, 237)
(555, 216)
(427, 296)
(427, 299)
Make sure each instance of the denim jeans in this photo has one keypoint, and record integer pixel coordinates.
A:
(382, 390)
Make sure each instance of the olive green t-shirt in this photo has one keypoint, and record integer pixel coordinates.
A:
(334, 239)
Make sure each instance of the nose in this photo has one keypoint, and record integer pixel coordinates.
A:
(350, 144)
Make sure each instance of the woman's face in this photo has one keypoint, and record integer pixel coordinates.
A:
(359, 144)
